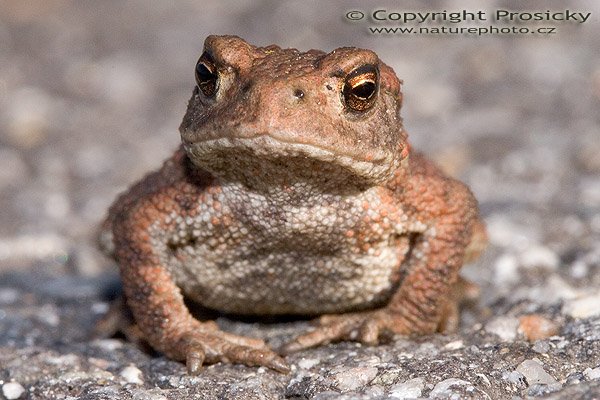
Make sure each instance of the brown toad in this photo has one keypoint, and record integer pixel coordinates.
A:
(294, 192)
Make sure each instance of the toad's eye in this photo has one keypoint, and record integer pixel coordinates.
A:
(207, 76)
(360, 88)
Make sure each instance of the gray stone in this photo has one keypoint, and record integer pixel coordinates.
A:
(534, 372)
(592, 374)
(354, 378)
(12, 390)
(410, 389)
(132, 374)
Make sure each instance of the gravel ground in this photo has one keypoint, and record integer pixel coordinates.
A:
(92, 93)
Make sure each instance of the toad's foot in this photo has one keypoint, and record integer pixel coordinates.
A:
(365, 327)
(212, 345)
(370, 326)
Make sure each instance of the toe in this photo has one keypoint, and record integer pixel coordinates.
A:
(254, 357)
(369, 331)
(201, 346)
(194, 359)
(337, 329)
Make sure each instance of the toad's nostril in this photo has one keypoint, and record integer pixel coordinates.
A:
(246, 87)
(299, 93)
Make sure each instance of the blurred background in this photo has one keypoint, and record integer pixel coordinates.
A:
(92, 94)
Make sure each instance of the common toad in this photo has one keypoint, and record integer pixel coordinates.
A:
(294, 191)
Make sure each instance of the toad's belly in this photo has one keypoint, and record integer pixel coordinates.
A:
(291, 282)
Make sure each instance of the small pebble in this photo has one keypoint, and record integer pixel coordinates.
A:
(108, 344)
(354, 378)
(100, 307)
(410, 389)
(456, 345)
(308, 363)
(534, 372)
(592, 374)
(132, 374)
(12, 390)
(541, 346)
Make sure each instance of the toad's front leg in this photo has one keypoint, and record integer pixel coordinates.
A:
(429, 292)
(157, 303)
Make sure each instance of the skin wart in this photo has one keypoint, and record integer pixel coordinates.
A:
(294, 191)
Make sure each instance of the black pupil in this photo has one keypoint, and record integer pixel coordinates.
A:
(364, 90)
(204, 74)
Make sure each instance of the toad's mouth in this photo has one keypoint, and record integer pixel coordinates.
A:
(272, 144)
(267, 154)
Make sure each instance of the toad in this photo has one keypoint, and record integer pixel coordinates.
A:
(294, 191)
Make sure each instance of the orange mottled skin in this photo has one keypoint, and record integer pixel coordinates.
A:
(294, 192)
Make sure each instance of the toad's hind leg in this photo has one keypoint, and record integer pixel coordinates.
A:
(462, 291)
(367, 327)
(427, 298)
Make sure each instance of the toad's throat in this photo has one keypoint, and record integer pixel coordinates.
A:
(266, 159)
